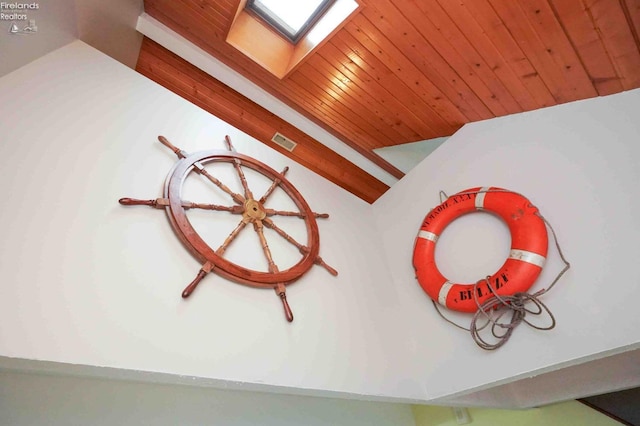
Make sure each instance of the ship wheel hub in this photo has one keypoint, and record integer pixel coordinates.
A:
(254, 210)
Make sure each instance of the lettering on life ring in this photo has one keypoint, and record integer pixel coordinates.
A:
(529, 243)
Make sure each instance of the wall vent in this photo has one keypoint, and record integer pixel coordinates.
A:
(284, 141)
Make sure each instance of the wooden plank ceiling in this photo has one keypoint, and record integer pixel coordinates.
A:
(405, 71)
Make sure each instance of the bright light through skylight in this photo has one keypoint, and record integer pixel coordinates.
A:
(294, 13)
(331, 20)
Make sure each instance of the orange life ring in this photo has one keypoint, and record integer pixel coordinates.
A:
(528, 253)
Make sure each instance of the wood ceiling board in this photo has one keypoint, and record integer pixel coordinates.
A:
(552, 34)
(364, 101)
(314, 85)
(499, 34)
(578, 23)
(459, 24)
(382, 81)
(435, 26)
(203, 90)
(213, 16)
(546, 61)
(184, 20)
(611, 22)
(632, 12)
(380, 46)
(386, 17)
(343, 122)
(188, 18)
(348, 102)
(373, 101)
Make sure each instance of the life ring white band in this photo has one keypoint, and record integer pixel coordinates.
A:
(428, 236)
(480, 197)
(444, 292)
(527, 256)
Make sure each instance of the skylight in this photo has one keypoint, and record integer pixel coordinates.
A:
(292, 18)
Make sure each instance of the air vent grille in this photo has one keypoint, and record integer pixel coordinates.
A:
(284, 141)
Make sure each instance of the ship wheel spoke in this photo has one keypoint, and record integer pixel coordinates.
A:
(199, 168)
(274, 185)
(303, 249)
(259, 228)
(223, 247)
(231, 209)
(208, 266)
(160, 203)
(273, 268)
(163, 202)
(272, 212)
(237, 165)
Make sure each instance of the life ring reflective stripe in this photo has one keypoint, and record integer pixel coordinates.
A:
(529, 243)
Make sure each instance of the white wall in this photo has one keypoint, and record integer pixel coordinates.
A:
(68, 400)
(86, 281)
(579, 163)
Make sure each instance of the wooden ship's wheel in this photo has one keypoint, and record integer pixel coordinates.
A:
(249, 209)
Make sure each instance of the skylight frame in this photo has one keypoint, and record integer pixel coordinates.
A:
(271, 19)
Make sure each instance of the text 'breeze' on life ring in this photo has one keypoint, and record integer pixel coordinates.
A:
(528, 253)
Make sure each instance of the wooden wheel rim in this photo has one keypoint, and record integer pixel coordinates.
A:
(203, 252)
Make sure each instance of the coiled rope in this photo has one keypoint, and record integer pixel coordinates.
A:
(495, 308)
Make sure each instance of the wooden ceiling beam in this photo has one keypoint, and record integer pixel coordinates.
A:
(201, 89)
